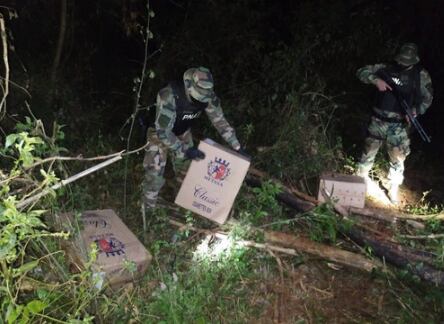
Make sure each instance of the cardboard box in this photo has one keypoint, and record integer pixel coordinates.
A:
(346, 190)
(212, 184)
(116, 245)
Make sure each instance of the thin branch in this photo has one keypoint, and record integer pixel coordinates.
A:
(423, 237)
(5, 61)
(58, 51)
(22, 204)
(17, 86)
(77, 158)
(138, 94)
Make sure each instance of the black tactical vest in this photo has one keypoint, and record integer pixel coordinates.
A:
(186, 112)
(407, 83)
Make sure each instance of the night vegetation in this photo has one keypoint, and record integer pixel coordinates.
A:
(76, 75)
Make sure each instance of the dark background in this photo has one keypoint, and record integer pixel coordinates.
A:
(260, 53)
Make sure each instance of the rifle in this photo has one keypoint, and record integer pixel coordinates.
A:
(404, 105)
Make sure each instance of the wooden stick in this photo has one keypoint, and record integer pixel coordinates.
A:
(59, 48)
(5, 61)
(423, 237)
(22, 204)
(370, 213)
(73, 158)
(422, 217)
(324, 251)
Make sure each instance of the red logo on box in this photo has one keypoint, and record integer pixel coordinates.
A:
(218, 169)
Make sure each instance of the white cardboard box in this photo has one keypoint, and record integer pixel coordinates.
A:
(346, 190)
(116, 245)
(211, 185)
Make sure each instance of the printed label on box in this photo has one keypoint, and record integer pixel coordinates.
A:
(211, 185)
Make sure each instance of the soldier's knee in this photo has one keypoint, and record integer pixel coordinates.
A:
(153, 181)
(372, 145)
(398, 154)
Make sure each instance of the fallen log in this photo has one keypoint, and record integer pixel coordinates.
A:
(420, 263)
(294, 245)
(324, 251)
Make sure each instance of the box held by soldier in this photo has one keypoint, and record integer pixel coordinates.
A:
(212, 184)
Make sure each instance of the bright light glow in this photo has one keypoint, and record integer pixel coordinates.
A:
(376, 193)
(212, 248)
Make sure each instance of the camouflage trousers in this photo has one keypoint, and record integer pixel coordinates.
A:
(156, 155)
(396, 138)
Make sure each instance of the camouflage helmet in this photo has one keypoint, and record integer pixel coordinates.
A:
(199, 83)
(408, 54)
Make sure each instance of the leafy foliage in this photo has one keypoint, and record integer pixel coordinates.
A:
(294, 102)
(207, 285)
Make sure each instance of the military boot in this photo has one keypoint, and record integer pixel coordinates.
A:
(365, 176)
(393, 194)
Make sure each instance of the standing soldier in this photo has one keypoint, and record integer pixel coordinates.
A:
(389, 122)
(178, 105)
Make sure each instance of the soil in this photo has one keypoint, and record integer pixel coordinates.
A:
(321, 292)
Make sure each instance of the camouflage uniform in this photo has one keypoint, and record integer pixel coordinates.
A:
(164, 140)
(391, 126)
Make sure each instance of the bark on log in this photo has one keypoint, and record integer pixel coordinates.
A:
(293, 245)
(418, 262)
(328, 252)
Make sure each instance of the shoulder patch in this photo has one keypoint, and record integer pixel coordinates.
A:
(166, 94)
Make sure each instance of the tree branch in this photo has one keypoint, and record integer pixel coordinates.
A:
(22, 204)
(5, 61)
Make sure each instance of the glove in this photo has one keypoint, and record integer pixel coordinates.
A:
(194, 154)
(242, 152)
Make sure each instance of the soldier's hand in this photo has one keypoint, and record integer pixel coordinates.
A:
(382, 85)
(194, 154)
(407, 119)
(242, 152)
(414, 115)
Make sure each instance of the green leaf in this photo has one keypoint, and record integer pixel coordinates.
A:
(6, 249)
(42, 293)
(13, 313)
(36, 306)
(27, 267)
(201, 320)
(10, 139)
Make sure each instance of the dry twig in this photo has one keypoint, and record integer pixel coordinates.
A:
(5, 86)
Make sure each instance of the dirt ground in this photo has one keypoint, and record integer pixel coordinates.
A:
(321, 292)
(318, 292)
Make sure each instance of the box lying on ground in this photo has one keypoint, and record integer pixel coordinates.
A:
(346, 190)
(121, 256)
(211, 185)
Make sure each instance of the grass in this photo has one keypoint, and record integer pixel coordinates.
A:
(196, 279)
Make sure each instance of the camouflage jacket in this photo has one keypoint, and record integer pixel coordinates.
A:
(367, 75)
(166, 116)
